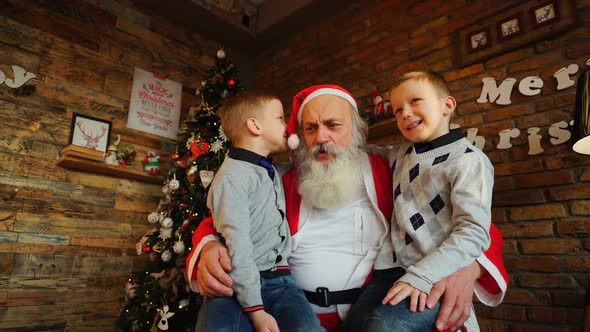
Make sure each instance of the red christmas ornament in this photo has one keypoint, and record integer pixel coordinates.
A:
(231, 83)
(182, 163)
(185, 224)
(147, 249)
(175, 157)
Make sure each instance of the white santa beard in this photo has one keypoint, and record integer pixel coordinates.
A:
(332, 184)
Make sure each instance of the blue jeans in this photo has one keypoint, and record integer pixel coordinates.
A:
(281, 298)
(369, 315)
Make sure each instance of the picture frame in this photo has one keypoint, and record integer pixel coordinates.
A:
(553, 17)
(544, 14)
(510, 27)
(479, 40)
(90, 132)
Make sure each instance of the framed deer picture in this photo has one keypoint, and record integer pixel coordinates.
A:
(89, 132)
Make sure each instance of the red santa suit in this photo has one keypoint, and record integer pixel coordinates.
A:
(349, 260)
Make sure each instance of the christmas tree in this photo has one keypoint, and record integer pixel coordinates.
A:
(158, 298)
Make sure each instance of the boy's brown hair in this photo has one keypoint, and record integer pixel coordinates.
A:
(436, 81)
(238, 109)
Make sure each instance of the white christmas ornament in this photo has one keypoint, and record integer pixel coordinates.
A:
(167, 222)
(221, 54)
(206, 177)
(216, 146)
(153, 217)
(184, 303)
(192, 170)
(174, 184)
(164, 315)
(178, 247)
(166, 256)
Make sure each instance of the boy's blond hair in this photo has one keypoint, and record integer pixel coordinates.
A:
(238, 109)
(436, 81)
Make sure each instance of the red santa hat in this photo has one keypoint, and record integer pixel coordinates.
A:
(305, 96)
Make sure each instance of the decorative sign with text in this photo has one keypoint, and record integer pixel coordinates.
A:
(529, 86)
(155, 104)
(20, 75)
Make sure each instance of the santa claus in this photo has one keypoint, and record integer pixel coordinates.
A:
(339, 205)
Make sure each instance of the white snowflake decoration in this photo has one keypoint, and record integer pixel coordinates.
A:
(165, 233)
(216, 146)
(222, 135)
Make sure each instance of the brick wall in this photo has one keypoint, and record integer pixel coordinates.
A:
(541, 202)
(67, 239)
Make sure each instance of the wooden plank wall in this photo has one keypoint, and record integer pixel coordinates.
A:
(67, 238)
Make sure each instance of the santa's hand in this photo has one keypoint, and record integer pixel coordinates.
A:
(458, 296)
(402, 290)
(212, 276)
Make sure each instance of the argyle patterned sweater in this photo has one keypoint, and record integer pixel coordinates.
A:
(442, 207)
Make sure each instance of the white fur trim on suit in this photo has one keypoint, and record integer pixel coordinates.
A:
(192, 261)
(325, 91)
(484, 296)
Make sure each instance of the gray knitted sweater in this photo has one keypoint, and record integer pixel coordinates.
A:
(442, 207)
(248, 210)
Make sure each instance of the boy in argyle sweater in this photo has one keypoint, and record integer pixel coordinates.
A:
(442, 209)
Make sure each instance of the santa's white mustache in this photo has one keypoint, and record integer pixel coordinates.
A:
(325, 148)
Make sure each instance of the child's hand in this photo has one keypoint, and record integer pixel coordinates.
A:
(400, 291)
(263, 321)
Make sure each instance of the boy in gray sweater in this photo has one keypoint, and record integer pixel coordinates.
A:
(442, 209)
(247, 202)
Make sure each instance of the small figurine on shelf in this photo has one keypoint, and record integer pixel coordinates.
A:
(125, 155)
(378, 104)
(152, 163)
(111, 155)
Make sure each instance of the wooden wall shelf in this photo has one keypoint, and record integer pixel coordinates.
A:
(105, 169)
(386, 127)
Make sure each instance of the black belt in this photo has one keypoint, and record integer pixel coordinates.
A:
(269, 274)
(325, 298)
